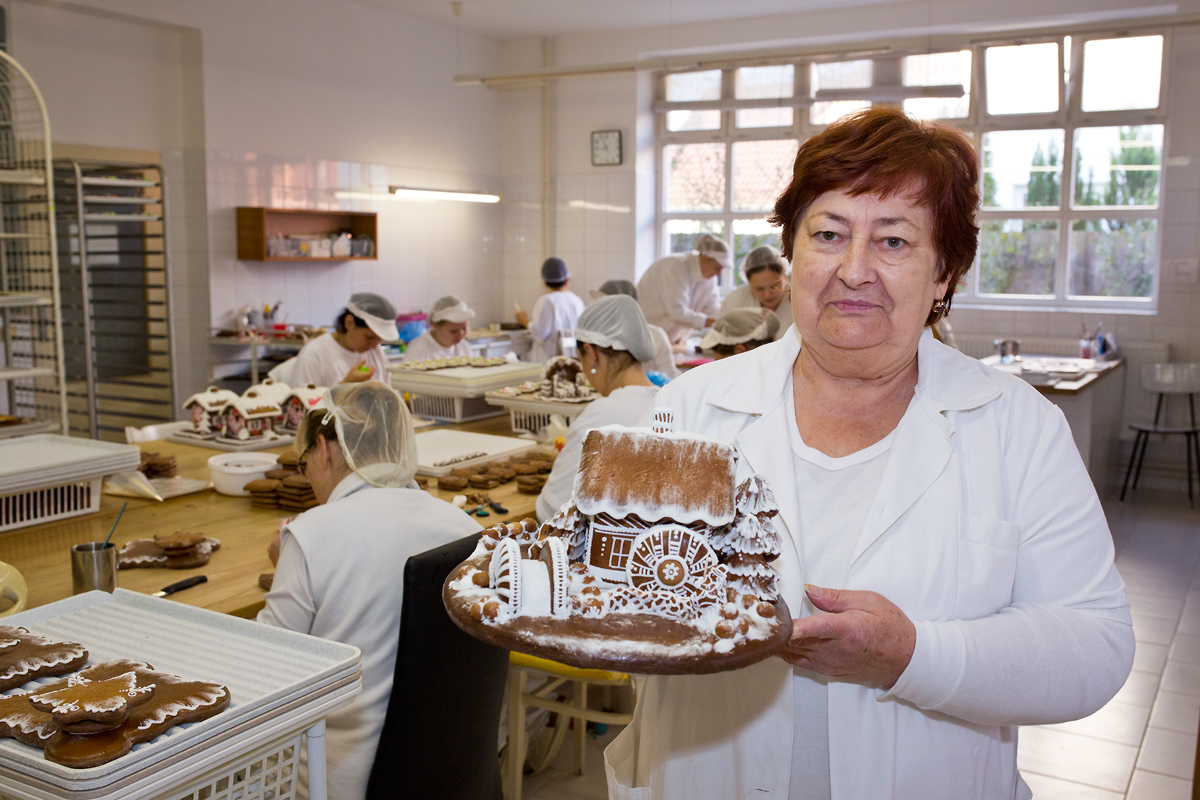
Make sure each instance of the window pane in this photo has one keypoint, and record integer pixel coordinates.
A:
(1120, 74)
(694, 177)
(839, 75)
(1017, 256)
(1113, 257)
(747, 235)
(689, 86)
(1022, 169)
(682, 233)
(938, 69)
(1022, 79)
(764, 82)
(1118, 166)
(761, 171)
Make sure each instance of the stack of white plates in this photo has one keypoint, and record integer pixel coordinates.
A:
(42, 460)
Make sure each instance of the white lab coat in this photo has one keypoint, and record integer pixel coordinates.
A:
(340, 577)
(664, 354)
(742, 297)
(553, 313)
(676, 296)
(986, 531)
(425, 347)
(624, 406)
(324, 362)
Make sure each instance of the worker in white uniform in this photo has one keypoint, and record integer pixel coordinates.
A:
(340, 564)
(740, 330)
(679, 292)
(766, 283)
(664, 355)
(614, 346)
(554, 313)
(447, 337)
(352, 353)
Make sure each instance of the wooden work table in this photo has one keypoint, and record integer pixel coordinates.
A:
(42, 552)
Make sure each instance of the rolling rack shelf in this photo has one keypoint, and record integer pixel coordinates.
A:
(115, 300)
(31, 356)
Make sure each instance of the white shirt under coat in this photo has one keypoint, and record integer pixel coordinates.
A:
(624, 406)
(324, 362)
(664, 354)
(426, 347)
(743, 297)
(985, 530)
(553, 313)
(675, 295)
(340, 577)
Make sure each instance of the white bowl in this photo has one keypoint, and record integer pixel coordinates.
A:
(232, 471)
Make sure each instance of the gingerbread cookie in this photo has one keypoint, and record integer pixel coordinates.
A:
(145, 553)
(484, 482)
(530, 484)
(266, 580)
(91, 706)
(35, 656)
(20, 720)
(451, 483)
(178, 541)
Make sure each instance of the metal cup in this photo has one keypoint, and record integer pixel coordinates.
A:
(1009, 350)
(93, 566)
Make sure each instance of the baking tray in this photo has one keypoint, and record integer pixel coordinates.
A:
(536, 405)
(267, 669)
(49, 459)
(443, 444)
(282, 440)
(26, 428)
(465, 381)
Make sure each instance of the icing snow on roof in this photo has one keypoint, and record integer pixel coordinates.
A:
(654, 476)
(212, 399)
(251, 406)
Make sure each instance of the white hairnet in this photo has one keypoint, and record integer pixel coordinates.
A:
(451, 309)
(374, 430)
(617, 322)
(762, 257)
(742, 325)
(714, 248)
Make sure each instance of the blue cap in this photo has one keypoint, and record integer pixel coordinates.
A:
(554, 270)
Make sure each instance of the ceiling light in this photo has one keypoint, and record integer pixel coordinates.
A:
(432, 195)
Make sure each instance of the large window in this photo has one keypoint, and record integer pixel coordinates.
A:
(1070, 132)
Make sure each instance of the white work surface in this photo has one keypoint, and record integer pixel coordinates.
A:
(443, 445)
(464, 381)
(48, 459)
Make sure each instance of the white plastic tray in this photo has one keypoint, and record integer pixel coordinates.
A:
(49, 459)
(228, 446)
(442, 444)
(537, 405)
(267, 670)
(465, 381)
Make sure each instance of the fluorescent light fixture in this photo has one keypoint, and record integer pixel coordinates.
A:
(889, 94)
(432, 195)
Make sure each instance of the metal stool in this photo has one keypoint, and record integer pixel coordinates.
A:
(1165, 379)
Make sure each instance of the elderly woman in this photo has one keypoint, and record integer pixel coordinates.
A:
(942, 545)
(764, 285)
(614, 346)
(740, 330)
(340, 564)
(447, 337)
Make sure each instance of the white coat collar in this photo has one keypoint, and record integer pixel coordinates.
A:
(346, 486)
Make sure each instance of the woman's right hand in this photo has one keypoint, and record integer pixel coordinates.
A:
(522, 318)
(273, 549)
(359, 372)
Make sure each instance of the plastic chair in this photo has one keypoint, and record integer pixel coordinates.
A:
(439, 737)
(1167, 379)
(544, 695)
(12, 588)
(151, 432)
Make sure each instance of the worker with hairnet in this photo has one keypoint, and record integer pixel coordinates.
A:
(614, 346)
(664, 356)
(740, 330)
(766, 283)
(679, 292)
(339, 564)
(554, 313)
(449, 321)
(352, 352)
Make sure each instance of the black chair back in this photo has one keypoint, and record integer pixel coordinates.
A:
(439, 738)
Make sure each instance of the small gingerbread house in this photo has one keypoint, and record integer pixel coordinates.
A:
(275, 392)
(249, 417)
(207, 410)
(563, 378)
(298, 403)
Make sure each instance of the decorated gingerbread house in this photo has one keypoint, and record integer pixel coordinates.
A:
(563, 379)
(250, 417)
(275, 392)
(299, 402)
(207, 410)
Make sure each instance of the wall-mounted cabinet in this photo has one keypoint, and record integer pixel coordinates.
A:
(289, 234)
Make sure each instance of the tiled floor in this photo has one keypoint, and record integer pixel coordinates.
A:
(1142, 745)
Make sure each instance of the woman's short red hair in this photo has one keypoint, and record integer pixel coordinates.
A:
(883, 151)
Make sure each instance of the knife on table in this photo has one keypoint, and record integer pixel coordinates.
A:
(186, 583)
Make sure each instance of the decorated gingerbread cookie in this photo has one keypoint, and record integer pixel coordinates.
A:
(35, 656)
(21, 720)
(90, 706)
(145, 553)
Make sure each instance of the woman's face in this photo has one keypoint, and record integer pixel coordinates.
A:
(864, 272)
(359, 338)
(768, 287)
(448, 334)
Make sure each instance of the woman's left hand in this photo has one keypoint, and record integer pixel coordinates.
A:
(864, 637)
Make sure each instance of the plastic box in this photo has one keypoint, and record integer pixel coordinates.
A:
(35, 506)
(452, 409)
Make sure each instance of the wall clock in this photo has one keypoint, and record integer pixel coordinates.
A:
(606, 148)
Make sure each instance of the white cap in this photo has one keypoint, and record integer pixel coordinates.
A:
(616, 322)
(377, 312)
(714, 248)
(740, 326)
(451, 309)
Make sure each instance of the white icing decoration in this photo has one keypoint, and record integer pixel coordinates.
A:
(207, 696)
(535, 589)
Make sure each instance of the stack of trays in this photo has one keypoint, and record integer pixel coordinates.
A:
(35, 462)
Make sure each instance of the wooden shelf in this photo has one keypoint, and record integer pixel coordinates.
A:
(256, 226)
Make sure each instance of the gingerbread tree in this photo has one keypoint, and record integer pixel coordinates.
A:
(569, 524)
(752, 540)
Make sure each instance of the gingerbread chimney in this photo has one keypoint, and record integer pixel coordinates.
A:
(664, 421)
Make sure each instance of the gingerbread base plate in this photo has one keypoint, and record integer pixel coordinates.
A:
(643, 644)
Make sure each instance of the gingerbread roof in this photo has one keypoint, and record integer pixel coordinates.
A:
(251, 406)
(310, 395)
(676, 476)
(212, 399)
(271, 390)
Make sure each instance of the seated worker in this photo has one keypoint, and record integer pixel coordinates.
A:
(740, 330)
(766, 283)
(554, 313)
(350, 354)
(664, 356)
(340, 563)
(679, 292)
(614, 346)
(447, 338)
